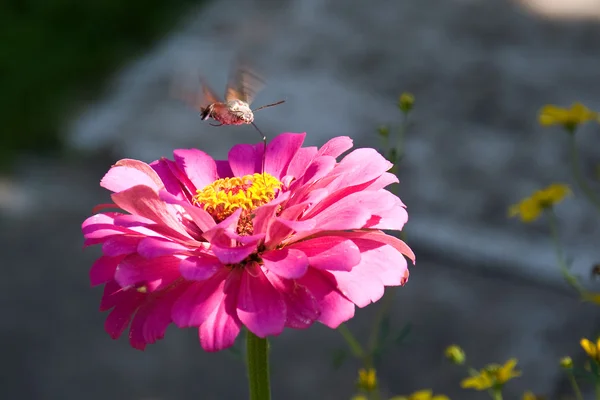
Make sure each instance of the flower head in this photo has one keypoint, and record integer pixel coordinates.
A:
(426, 394)
(569, 118)
(592, 349)
(218, 244)
(455, 354)
(367, 380)
(531, 396)
(566, 363)
(493, 375)
(406, 102)
(530, 208)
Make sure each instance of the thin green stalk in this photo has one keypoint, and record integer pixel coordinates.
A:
(497, 394)
(386, 303)
(355, 347)
(571, 280)
(575, 386)
(257, 359)
(578, 175)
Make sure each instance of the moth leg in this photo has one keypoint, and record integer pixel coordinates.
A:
(216, 125)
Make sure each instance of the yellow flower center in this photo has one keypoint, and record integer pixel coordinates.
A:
(224, 196)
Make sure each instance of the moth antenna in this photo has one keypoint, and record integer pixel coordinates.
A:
(269, 105)
(264, 139)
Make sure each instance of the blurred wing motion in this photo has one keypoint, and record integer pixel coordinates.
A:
(243, 84)
(199, 99)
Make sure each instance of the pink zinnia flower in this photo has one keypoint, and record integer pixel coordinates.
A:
(217, 245)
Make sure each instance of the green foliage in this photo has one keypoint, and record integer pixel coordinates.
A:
(53, 51)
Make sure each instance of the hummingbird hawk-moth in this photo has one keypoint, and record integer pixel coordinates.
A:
(235, 109)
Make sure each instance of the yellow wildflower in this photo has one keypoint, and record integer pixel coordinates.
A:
(367, 379)
(406, 102)
(592, 349)
(569, 118)
(492, 375)
(531, 396)
(566, 363)
(591, 297)
(530, 208)
(426, 394)
(455, 354)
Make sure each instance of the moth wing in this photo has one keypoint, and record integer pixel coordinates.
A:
(243, 84)
(198, 99)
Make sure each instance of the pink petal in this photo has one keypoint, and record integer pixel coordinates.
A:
(198, 166)
(100, 219)
(103, 269)
(201, 218)
(336, 146)
(151, 247)
(187, 186)
(361, 165)
(98, 208)
(170, 181)
(260, 306)
(144, 201)
(382, 260)
(232, 255)
(335, 308)
(280, 152)
(196, 304)
(112, 295)
(200, 268)
(302, 307)
(128, 173)
(263, 216)
(221, 328)
(383, 238)
(380, 265)
(330, 252)
(151, 320)
(347, 213)
(287, 263)
(360, 285)
(301, 161)
(245, 159)
(120, 317)
(320, 167)
(135, 269)
(223, 169)
(383, 181)
(298, 226)
(228, 224)
(120, 245)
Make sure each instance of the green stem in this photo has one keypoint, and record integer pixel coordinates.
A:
(400, 142)
(355, 347)
(497, 394)
(386, 303)
(578, 175)
(257, 359)
(571, 280)
(575, 386)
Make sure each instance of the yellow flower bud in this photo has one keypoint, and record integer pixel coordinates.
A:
(455, 354)
(406, 102)
(566, 363)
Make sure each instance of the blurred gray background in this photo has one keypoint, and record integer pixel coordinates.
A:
(480, 72)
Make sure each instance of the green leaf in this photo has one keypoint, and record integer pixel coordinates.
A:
(403, 334)
(384, 330)
(339, 357)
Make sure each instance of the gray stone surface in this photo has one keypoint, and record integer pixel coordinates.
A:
(480, 71)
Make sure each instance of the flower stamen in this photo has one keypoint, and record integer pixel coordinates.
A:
(224, 196)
